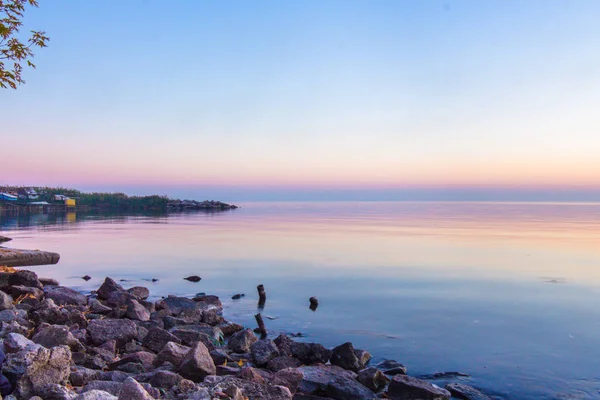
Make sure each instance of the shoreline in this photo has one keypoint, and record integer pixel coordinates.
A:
(62, 344)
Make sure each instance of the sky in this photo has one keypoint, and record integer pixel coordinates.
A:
(335, 99)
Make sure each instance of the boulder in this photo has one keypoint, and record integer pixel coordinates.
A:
(288, 377)
(24, 278)
(175, 305)
(363, 357)
(80, 376)
(63, 295)
(403, 387)
(6, 301)
(284, 343)
(373, 378)
(219, 356)
(197, 364)
(164, 379)
(251, 390)
(190, 336)
(229, 328)
(345, 357)
(98, 308)
(109, 286)
(96, 395)
(49, 282)
(15, 342)
(157, 339)
(56, 335)
(249, 374)
(462, 391)
(32, 292)
(315, 378)
(391, 367)
(173, 353)
(283, 362)
(54, 391)
(241, 341)
(141, 357)
(36, 368)
(121, 330)
(132, 390)
(263, 351)
(137, 311)
(310, 353)
(346, 388)
(139, 292)
(193, 278)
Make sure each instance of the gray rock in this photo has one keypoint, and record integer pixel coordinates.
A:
(12, 315)
(175, 305)
(48, 282)
(241, 341)
(284, 343)
(30, 291)
(96, 395)
(15, 342)
(157, 339)
(219, 356)
(315, 378)
(345, 357)
(310, 353)
(345, 388)
(173, 353)
(462, 391)
(121, 330)
(141, 357)
(404, 387)
(5, 301)
(112, 376)
(37, 368)
(247, 374)
(283, 362)
(132, 390)
(263, 351)
(289, 377)
(137, 311)
(391, 367)
(56, 335)
(164, 379)
(113, 388)
(139, 292)
(197, 364)
(373, 378)
(63, 295)
(363, 357)
(80, 376)
(229, 328)
(109, 286)
(55, 391)
(189, 336)
(251, 390)
(98, 308)
(24, 278)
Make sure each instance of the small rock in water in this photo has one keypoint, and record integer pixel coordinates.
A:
(154, 280)
(237, 296)
(86, 278)
(193, 278)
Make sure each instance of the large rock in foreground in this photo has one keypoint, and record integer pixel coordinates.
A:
(104, 330)
(197, 364)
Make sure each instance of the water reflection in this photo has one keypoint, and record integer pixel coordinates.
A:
(505, 292)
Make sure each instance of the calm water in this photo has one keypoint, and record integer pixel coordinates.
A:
(509, 293)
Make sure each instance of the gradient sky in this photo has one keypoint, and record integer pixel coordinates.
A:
(309, 96)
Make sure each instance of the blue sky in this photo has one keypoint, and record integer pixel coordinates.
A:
(309, 96)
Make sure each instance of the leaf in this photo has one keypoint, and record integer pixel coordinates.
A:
(240, 363)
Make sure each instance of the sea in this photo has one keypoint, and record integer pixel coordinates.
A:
(508, 293)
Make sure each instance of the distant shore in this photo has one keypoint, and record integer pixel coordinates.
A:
(25, 200)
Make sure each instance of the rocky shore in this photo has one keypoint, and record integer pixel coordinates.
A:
(190, 205)
(115, 344)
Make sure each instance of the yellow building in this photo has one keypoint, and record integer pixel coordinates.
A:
(70, 202)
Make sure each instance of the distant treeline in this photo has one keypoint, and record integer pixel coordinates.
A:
(106, 201)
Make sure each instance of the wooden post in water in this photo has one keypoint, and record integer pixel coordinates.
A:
(262, 296)
(262, 329)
